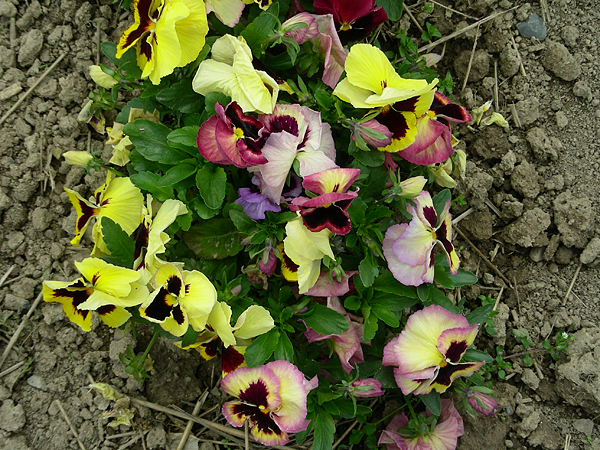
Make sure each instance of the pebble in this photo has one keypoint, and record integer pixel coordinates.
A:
(583, 90)
(569, 35)
(31, 47)
(530, 379)
(528, 110)
(558, 60)
(585, 426)
(10, 91)
(561, 120)
(534, 27)
(12, 416)
(590, 252)
(536, 254)
(7, 9)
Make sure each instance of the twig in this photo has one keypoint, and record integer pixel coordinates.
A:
(482, 256)
(216, 427)
(13, 33)
(517, 295)
(467, 213)
(12, 280)
(11, 369)
(515, 115)
(30, 90)
(64, 413)
(121, 435)
(496, 101)
(130, 443)
(567, 442)
(246, 440)
(412, 18)
(521, 66)
(498, 299)
(5, 276)
(545, 11)
(464, 85)
(564, 302)
(19, 330)
(537, 369)
(463, 30)
(188, 428)
(453, 10)
(494, 209)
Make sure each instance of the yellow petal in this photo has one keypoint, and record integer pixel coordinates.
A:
(100, 78)
(191, 31)
(80, 159)
(106, 277)
(219, 320)
(368, 68)
(200, 294)
(113, 316)
(253, 322)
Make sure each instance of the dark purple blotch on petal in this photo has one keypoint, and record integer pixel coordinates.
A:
(159, 309)
(332, 217)
(263, 421)
(232, 359)
(445, 373)
(255, 394)
(456, 350)
(430, 215)
(441, 234)
(178, 315)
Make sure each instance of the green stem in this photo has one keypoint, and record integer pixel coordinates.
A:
(412, 411)
(393, 413)
(150, 344)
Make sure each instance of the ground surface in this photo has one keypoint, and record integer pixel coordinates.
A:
(533, 191)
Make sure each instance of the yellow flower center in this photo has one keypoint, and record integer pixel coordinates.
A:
(239, 133)
(444, 363)
(345, 27)
(433, 235)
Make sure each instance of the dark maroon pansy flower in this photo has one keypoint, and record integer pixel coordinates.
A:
(354, 19)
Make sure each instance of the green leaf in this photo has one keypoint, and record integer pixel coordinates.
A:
(477, 356)
(213, 239)
(203, 211)
(127, 62)
(325, 321)
(262, 348)
(148, 181)
(184, 139)
(393, 302)
(370, 327)
(433, 402)
(324, 431)
(211, 181)
(480, 315)
(145, 104)
(211, 99)
(371, 158)
(176, 174)
(189, 337)
(150, 140)
(442, 277)
(440, 200)
(393, 8)
(261, 29)
(181, 97)
(387, 283)
(242, 221)
(463, 278)
(383, 313)
(284, 349)
(367, 271)
(119, 243)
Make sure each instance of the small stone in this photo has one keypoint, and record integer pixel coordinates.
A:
(530, 379)
(574, 218)
(156, 437)
(585, 426)
(524, 180)
(554, 183)
(10, 91)
(540, 144)
(583, 90)
(14, 239)
(590, 252)
(561, 120)
(527, 228)
(534, 27)
(528, 110)
(488, 278)
(31, 47)
(536, 254)
(509, 62)
(558, 60)
(7, 57)
(569, 35)
(12, 416)
(14, 303)
(40, 219)
(564, 255)
(7, 9)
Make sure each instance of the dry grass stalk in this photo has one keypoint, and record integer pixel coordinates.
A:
(570, 288)
(188, 427)
(11, 369)
(467, 213)
(6, 275)
(515, 115)
(464, 85)
(412, 18)
(498, 299)
(521, 66)
(64, 413)
(30, 90)
(496, 101)
(453, 10)
(517, 295)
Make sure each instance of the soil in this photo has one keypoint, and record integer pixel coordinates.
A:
(531, 194)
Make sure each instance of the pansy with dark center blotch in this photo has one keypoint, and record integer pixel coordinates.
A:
(354, 19)
(231, 137)
(181, 298)
(426, 355)
(272, 398)
(328, 209)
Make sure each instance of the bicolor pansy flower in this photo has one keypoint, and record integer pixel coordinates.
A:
(118, 199)
(306, 249)
(181, 298)
(231, 137)
(433, 142)
(443, 436)
(408, 248)
(168, 34)
(329, 209)
(293, 132)
(232, 341)
(354, 19)
(230, 72)
(272, 398)
(427, 354)
(103, 287)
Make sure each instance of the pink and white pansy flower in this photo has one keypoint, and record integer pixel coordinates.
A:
(328, 210)
(272, 398)
(294, 132)
(427, 353)
(408, 248)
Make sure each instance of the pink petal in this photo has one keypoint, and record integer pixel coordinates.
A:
(404, 273)
(332, 180)
(291, 413)
(207, 142)
(439, 151)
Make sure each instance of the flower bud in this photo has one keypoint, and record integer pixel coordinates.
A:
(80, 159)
(366, 388)
(101, 78)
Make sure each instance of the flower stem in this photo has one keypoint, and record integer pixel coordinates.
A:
(412, 411)
(150, 344)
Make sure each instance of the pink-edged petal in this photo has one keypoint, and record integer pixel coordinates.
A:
(268, 433)
(331, 47)
(257, 386)
(453, 343)
(207, 142)
(406, 385)
(390, 435)
(291, 413)
(227, 11)
(313, 162)
(404, 273)
(328, 285)
(227, 143)
(389, 357)
(327, 145)
(428, 130)
(439, 151)
(425, 210)
(413, 246)
(264, 429)
(326, 199)
(234, 414)
(301, 35)
(374, 391)
(347, 347)
(280, 151)
(332, 180)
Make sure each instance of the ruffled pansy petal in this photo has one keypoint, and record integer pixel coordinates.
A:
(191, 31)
(70, 295)
(253, 322)
(332, 180)
(113, 316)
(85, 211)
(453, 342)
(404, 273)
(219, 321)
(451, 372)
(227, 11)
(232, 358)
(106, 277)
(291, 413)
(258, 386)
(200, 294)
(145, 13)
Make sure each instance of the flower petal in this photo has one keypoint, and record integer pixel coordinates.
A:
(291, 413)
(331, 180)
(200, 294)
(253, 322)
(113, 316)
(70, 295)
(258, 386)
(191, 31)
(219, 321)
(207, 142)
(453, 342)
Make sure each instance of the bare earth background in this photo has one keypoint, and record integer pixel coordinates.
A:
(533, 191)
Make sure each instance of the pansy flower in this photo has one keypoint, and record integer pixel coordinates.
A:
(328, 209)
(230, 72)
(118, 199)
(346, 345)
(306, 249)
(408, 248)
(294, 132)
(231, 137)
(354, 19)
(444, 435)
(433, 143)
(103, 287)
(232, 340)
(168, 34)
(181, 298)
(272, 398)
(426, 355)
